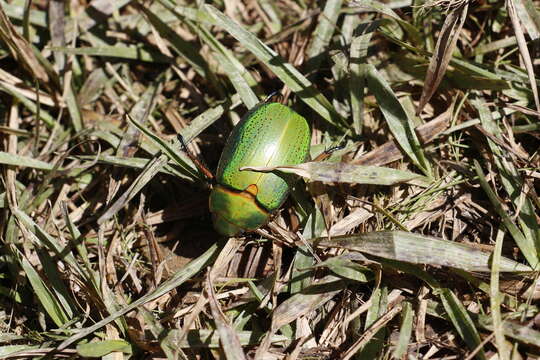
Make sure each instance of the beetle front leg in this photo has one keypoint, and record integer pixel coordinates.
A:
(276, 93)
(326, 153)
(198, 162)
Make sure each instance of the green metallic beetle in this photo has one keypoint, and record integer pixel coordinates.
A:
(268, 135)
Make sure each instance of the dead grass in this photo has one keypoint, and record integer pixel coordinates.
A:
(422, 242)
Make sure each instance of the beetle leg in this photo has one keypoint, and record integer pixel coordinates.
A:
(326, 153)
(198, 163)
(273, 94)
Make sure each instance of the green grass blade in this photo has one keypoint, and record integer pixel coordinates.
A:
(176, 155)
(46, 298)
(384, 9)
(405, 331)
(301, 273)
(240, 77)
(419, 249)
(182, 47)
(186, 273)
(513, 330)
(7, 351)
(358, 68)
(151, 169)
(56, 284)
(103, 348)
(379, 300)
(73, 108)
(30, 105)
(525, 244)
(286, 72)
(323, 33)
(48, 241)
(462, 321)
(511, 179)
(23, 161)
(306, 301)
(398, 121)
(495, 299)
(347, 269)
(118, 51)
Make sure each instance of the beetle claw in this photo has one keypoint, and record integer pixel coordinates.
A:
(182, 142)
(275, 93)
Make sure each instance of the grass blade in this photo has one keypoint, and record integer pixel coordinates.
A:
(151, 169)
(227, 334)
(524, 51)
(179, 278)
(205, 338)
(118, 51)
(525, 244)
(495, 299)
(419, 249)
(182, 47)
(23, 161)
(342, 173)
(382, 8)
(510, 177)
(46, 298)
(286, 72)
(323, 33)
(103, 348)
(405, 331)
(462, 321)
(446, 43)
(22, 50)
(529, 16)
(306, 301)
(357, 69)
(240, 77)
(397, 119)
(168, 150)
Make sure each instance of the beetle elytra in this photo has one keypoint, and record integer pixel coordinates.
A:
(270, 134)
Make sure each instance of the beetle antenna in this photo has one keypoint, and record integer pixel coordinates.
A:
(273, 94)
(334, 148)
(326, 153)
(198, 162)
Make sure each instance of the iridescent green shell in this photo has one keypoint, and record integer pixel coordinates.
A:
(270, 134)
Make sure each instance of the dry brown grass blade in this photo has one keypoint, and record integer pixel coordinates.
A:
(16, 84)
(390, 151)
(62, 159)
(523, 109)
(21, 49)
(220, 264)
(57, 28)
(227, 336)
(150, 170)
(446, 44)
(300, 304)
(368, 335)
(306, 302)
(11, 147)
(523, 50)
